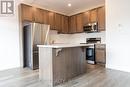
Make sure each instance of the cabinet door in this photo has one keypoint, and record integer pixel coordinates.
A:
(93, 15)
(100, 53)
(101, 18)
(45, 16)
(64, 24)
(86, 18)
(51, 20)
(79, 23)
(26, 13)
(58, 22)
(38, 15)
(72, 24)
(100, 56)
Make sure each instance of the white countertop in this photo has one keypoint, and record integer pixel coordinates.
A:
(65, 45)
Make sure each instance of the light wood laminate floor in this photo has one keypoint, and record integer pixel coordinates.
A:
(96, 76)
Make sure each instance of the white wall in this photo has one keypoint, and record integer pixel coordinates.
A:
(9, 41)
(118, 34)
(76, 38)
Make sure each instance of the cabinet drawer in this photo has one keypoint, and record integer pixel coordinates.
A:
(100, 46)
(100, 53)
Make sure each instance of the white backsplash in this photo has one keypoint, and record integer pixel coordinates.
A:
(75, 38)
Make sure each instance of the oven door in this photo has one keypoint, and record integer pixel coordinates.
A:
(90, 55)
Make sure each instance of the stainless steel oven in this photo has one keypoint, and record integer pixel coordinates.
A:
(90, 51)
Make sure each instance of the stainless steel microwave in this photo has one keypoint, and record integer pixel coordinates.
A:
(91, 27)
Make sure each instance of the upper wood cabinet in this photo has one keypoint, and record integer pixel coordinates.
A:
(58, 22)
(79, 21)
(93, 15)
(26, 12)
(101, 18)
(45, 16)
(51, 20)
(86, 17)
(38, 15)
(72, 24)
(64, 24)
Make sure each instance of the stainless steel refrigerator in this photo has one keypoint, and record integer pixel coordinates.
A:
(34, 34)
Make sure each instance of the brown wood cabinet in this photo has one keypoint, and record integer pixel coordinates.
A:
(93, 15)
(86, 17)
(101, 18)
(26, 12)
(45, 16)
(100, 51)
(64, 24)
(58, 22)
(72, 24)
(51, 20)
(38, 15)
(79, 21)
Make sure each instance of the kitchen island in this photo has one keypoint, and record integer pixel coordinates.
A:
(59, 63)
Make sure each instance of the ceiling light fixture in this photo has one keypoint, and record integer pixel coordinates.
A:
(69, 5)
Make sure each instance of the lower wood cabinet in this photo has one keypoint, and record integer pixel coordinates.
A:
(100, 51)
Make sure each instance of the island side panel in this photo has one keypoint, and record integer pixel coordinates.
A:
(69, 63)
(79, 60)
(45, 66)
(77, 65)
(59, 65)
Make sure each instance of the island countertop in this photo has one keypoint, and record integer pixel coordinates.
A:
(65, 45)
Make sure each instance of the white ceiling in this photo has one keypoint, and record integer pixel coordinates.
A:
(61, 5)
